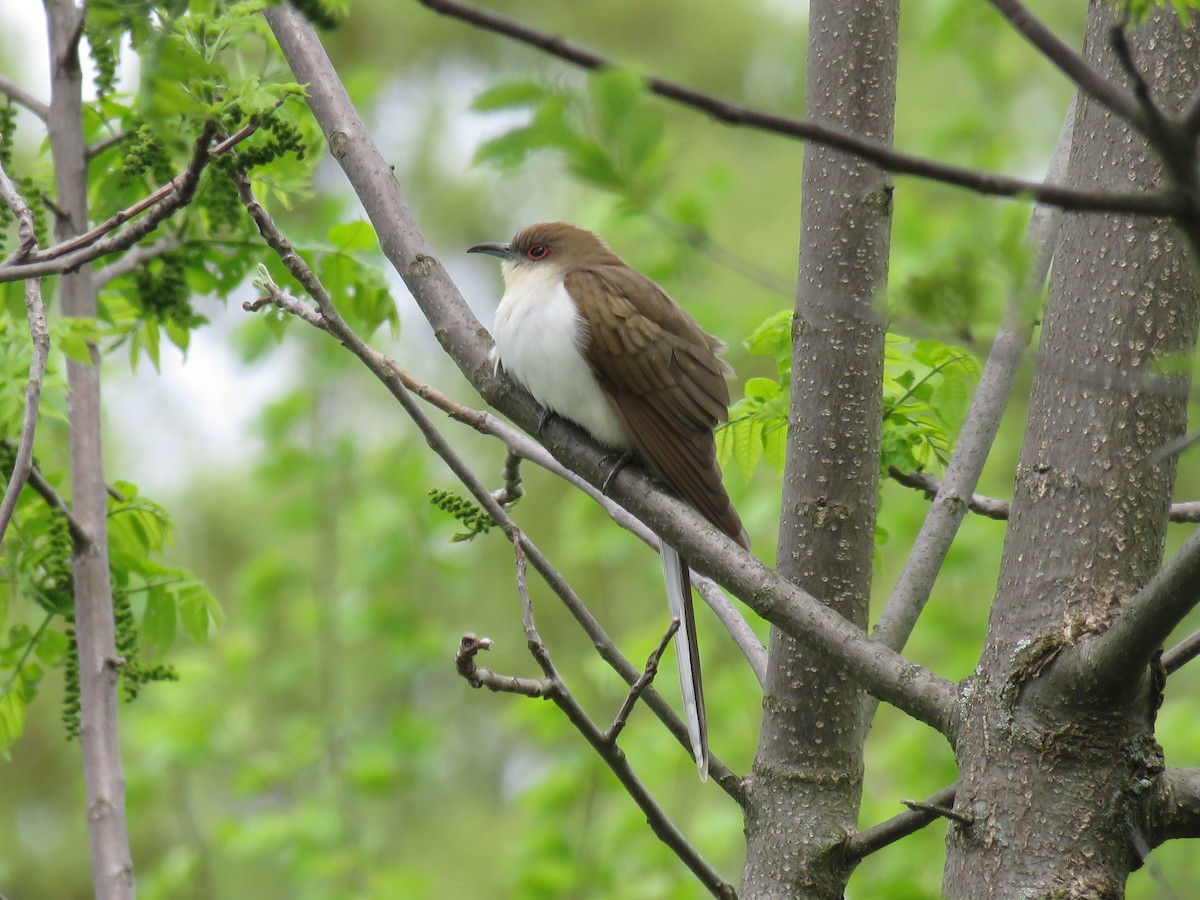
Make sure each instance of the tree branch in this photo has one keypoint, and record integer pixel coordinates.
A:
(522, 446)
(1182, 653)
(1174, 806)
(19, 95)
(39, 335)
(553, 688)
(886, 674)
(71, 253)
(1069, 62)
(917, 816)
(995, 508)
(639, 687)
(81, 540)
(1157, 204)
(1144, 623)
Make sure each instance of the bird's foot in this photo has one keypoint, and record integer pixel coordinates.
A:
(622, 462)
(544, 418)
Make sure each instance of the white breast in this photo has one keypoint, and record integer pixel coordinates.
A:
(538, 334)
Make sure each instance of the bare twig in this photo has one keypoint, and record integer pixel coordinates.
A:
(639, 686)
(995, 508)
(553, 688)
(1068, 61)
(916, 817)
(478, 677)
(929, 485)
(39, 335)
(18, 94)
(1182, 653)
(79, 535)
(887, 158)
(513, 489)
(936, 809)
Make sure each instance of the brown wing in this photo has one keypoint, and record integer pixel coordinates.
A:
(661, 374)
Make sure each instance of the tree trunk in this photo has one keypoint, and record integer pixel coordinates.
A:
(1051, 771)
(112, 868)
(804, 792)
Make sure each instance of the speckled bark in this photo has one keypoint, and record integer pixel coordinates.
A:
(806, 783)
(1052, 773)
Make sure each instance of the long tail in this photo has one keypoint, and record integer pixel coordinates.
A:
(679, 596)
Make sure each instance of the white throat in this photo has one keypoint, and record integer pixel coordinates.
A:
(539, 335)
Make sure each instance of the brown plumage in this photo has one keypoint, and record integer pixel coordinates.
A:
(598, 343)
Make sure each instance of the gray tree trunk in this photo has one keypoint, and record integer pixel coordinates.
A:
(1050, 769)
(804, 791)
(112, 867)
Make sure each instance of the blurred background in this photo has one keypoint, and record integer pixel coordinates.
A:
(321, 744)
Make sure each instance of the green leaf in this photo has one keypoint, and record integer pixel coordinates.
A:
(158, 622)
(357, 235)
(509, 95)
(198, 609)
(52, 647)
(12, 721)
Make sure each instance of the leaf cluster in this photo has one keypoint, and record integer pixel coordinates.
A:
(473, 519)
(927, 387)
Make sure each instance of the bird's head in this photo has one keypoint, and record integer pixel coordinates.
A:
(548, 245)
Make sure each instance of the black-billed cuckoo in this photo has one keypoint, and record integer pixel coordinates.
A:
(595, 341)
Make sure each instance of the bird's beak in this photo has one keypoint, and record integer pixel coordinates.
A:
(493, 248)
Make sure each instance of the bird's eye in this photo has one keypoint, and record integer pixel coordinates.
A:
(538, 251)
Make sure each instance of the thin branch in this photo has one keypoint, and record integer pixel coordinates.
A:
(609, 752)
(917, 816)
(19, 95)
(639, 687)
(1068, 61)
(995, 508)
(479, 677)
(104, 144)
(930, 485)
(69, 255)
(513, 489)
(936, 809)
(39, 335)
(1162, 203)
(1144, 623)
(912, 688)
(520, 444)
(80, 538)
(1182, 653)
(136, 257)
(982, 423)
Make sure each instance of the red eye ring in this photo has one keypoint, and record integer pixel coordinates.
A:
(538, 251)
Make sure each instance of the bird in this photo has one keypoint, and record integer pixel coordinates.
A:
(596, 342)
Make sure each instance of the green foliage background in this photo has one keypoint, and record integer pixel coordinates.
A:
(318, 742)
